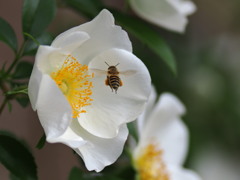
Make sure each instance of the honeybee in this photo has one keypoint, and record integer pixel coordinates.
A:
(113, 80)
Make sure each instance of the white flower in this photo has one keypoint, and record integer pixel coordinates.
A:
(74, 105)
(170, 14)
(163, 140)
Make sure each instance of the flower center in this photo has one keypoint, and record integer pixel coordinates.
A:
(74, 81)
(150, 165)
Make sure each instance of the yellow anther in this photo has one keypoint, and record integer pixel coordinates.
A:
(73, 80)
(150, 165)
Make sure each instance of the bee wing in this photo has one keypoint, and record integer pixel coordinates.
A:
(98, 71)
(128, 73)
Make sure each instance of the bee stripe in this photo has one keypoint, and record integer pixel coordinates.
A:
(114, 81)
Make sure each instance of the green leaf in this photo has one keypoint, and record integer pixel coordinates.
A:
(32, 44)
(88, 8)
(15, 156)
(148, 36)
(7, 35)
(37, 15)
(41, 142)
(13, 177)
(28, 14)
(23, 70)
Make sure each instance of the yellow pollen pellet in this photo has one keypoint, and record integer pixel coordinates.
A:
(75, 83)
(150, 165)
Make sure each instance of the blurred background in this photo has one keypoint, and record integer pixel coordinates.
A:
(207, 82)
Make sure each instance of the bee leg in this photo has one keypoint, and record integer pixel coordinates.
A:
(107, 81)
(120, 81)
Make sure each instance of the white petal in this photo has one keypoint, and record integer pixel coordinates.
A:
(164, 13)
(36, 76)
(170, 105)
(109, 109)
(34, 86)
(103, 33)
(54, 111)
(51, 58)
(69, 137)
(99, 152)
(178, 173)
(48, 59)
(166, 129)
(143, 118)
(70, 41)
(183, 6)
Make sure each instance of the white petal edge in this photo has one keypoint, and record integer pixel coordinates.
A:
(36, 76)
(179, 173)
(69, 137)
(54, 111)
(104, 34)
(165, 128)
(109, 110)
(98, 153)
(184, 7)
(70, 41)
(143, 118)
(161, 13)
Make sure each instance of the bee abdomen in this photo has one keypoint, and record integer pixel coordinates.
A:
(114, 82)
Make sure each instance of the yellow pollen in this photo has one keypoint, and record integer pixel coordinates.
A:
(150, 165)
(74, 81)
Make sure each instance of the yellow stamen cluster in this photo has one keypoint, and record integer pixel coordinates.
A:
(74, 81)
(150, 165)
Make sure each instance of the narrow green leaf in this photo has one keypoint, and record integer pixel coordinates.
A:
(41, 142)
(23, 70)
(32, 44)
(88, 8)
(148, 36)
(7, 35)
(37, 15)
(16, 157)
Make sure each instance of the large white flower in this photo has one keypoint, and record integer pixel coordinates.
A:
(74, 105)
(163, 140)
(170, 14)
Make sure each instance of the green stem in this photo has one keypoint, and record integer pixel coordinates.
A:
(2, 84)
(17, 58)
(4, 90)
(3, 105)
